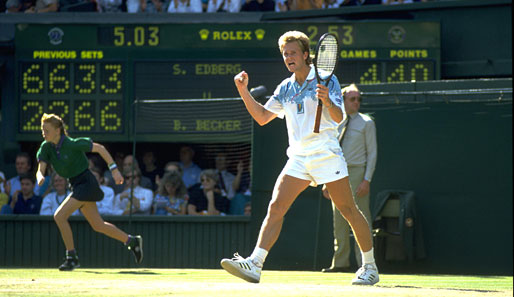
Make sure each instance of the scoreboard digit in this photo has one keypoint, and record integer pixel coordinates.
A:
(88, 96)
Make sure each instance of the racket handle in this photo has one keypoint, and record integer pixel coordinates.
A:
(318, 117)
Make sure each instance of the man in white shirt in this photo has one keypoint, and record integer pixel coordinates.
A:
(142, 200)
(314, 158)
(226, 179)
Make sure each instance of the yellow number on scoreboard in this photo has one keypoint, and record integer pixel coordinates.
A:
(85, 78)
(32, 79)
(111, 79)
(34, 110)
(110, 115)
(370, 76)
(58, 79)
(84, 115)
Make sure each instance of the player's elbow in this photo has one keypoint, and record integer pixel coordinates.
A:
(98, 148)
(261, 123)
(264, 118)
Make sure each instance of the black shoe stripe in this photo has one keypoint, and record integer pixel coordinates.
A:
(245, 266)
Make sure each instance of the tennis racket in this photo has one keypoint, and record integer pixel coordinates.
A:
(325, 62)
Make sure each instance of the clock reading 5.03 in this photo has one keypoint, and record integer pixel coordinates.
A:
(129, 36)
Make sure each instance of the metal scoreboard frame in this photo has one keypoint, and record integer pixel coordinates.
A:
(90, 74)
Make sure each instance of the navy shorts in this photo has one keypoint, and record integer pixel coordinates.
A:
(85, 187)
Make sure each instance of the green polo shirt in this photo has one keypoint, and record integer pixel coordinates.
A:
(68, 157)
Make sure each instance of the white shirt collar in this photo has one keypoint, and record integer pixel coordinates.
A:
(310, 76)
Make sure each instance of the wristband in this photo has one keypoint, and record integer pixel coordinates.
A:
(112, 166)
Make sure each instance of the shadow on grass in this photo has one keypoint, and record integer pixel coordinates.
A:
(140, 272)
(451, 289)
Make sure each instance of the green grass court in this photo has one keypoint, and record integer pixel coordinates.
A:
(191, 282)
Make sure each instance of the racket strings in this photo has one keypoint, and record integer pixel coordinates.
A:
(328, 54)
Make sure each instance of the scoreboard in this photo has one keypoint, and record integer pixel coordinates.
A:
(91, 74)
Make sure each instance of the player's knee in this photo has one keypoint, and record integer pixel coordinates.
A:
(98, 227)
(347, 210)
(59, 218)
(276, 209)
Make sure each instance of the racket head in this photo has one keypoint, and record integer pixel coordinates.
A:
(327, 56)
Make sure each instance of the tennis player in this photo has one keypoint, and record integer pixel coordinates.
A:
(68, 158)
(314, 158)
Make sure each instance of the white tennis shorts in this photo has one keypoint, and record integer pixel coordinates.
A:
(320, 168)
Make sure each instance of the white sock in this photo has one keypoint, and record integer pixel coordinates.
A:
(259, 255)
(368, 257)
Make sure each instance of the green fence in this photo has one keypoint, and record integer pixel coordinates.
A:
(169, 242)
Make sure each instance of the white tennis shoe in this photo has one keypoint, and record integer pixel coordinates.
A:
(242, 268)
(367, 275)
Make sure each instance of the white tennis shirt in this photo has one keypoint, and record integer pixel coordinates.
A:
(298, 103)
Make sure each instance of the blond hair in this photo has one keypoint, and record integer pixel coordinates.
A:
(350, 88)
(175, 179)
(300, 38)
(54, 120)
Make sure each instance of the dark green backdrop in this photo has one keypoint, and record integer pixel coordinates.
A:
(456, 157)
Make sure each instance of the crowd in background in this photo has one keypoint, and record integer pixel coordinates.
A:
(179, 188)
(182, 6)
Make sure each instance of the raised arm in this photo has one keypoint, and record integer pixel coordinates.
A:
(256, 110)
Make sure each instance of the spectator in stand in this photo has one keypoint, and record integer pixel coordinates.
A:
(150, 169)
(13, 6)
(203, 199)
(170, 167)
(60, 190)
(258, 5)
(24, 201)
(182, 6)
(23, 166)
(332, 3)
(135, 6)
(106, 205)
(171, 197)
(191, 171)
(109, 5)
(305, 4)
(143, 197)
(127, 165)
(225, 179)
(224, 6)
(241, 200)
(173, 167)
(281, 5)
(43, 6)
(4, 198)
